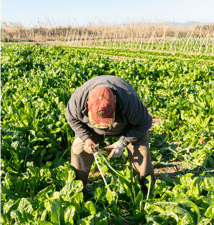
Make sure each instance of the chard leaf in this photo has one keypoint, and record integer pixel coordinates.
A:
(86, 221)
(102, 222)
(25, 206)
(75, 186)
(90, 208)
(205, 221)
(189, 204)
(210, 212)
(196, 186)
(69, 214)
(209, 184)
(43, 194)
(44, 215)
(139, 200)
(56, 212)
(99, 193)
(15, 214)
(8, 205)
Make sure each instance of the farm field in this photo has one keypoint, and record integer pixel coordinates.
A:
(38, 184)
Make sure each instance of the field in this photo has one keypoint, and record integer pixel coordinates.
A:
(38, 184)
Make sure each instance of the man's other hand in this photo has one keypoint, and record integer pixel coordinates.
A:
(88, 145)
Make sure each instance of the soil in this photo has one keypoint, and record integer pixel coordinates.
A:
(118, 57)
(170, 168)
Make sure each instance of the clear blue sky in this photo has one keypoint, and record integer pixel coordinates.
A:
(28, 12)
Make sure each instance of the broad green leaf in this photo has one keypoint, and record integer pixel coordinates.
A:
(152, 220)
(56, 212)
(191, 205)
(69, 214)
(209, 183)
(25, 206)
(90, 208)
(110, 196)
(76, 200)
(44, 194)
(139, 200)
(186, 179)
(173, 210)
(205, 221)
(102, 222)
(44, 215)
(15, 214)
(99, 193)
(210, 199)
(126, 188)
(75, 186)
(8, 205)
(210, 212)
(196, 186)
(86, 221)
(186, 220)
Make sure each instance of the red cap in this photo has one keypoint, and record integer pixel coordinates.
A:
(101, 107)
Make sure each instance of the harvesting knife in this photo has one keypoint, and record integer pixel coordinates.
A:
(95, 149)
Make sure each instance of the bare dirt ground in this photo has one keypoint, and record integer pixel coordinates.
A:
(171, 168)
(118, 57)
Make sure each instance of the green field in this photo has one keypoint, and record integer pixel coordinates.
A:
(38, 184)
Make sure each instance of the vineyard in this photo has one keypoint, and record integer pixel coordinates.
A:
(38, 185)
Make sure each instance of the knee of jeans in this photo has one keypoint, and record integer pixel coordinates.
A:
(77, 146)
(144, 149)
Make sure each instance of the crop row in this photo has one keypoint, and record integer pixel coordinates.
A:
(191, 45)
(143, 54)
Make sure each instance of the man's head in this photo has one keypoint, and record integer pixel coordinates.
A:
(101, 107)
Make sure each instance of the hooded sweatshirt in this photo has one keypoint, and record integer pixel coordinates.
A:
(132, 119)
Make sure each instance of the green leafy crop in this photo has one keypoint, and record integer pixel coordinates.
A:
(38, 183)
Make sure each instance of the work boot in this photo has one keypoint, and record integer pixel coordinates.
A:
(85, 191)
(144, 188)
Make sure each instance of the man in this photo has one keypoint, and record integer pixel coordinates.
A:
(108, 106)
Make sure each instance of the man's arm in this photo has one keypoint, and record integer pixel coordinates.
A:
(80, 129)
(137, 115)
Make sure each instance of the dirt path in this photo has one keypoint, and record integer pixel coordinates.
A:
(117, 57)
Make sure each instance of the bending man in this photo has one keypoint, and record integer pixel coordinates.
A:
(108, 106)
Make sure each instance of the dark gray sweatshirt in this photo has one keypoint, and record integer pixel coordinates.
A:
(132, 118)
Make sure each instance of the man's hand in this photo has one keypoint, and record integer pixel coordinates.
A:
(88, 144)
(117, 149)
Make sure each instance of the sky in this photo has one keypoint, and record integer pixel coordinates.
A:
(82, 12)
